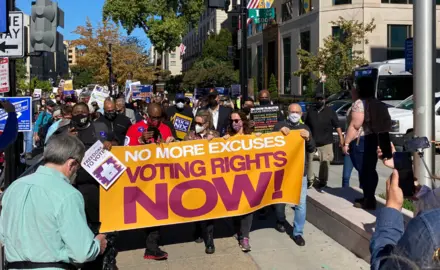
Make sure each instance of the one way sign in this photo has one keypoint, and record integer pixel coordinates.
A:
(11, 43)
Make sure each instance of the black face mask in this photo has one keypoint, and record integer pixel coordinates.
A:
(110, 115)
(80, 120)
(264, 102)
(247, 110)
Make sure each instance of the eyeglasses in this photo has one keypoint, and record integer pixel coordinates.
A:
(236, 120)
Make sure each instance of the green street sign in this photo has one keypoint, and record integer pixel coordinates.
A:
(261, 15)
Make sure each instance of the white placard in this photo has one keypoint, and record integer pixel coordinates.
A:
(4, 75)
(11, 43)
(102, 165)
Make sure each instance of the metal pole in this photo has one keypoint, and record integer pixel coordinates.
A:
(243, 68)
(424, 65)
(110, 72)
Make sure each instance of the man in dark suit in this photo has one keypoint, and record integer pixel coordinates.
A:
(220, 114)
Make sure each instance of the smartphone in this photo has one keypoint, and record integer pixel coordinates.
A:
(403, 164)
(156, 132)
(385, 145)
(413, 145)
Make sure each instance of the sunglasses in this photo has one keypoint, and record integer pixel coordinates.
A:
(236, 120)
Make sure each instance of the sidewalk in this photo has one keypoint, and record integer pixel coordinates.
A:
(271, 250)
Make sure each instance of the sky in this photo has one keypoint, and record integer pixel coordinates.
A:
(75, 14)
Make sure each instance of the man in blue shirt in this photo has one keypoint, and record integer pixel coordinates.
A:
(11, 128)
(43, 118)
(42, 222)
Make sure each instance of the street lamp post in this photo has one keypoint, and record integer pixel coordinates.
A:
(424, 65)
(244, 63)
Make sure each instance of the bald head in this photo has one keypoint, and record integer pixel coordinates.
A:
(154, 110)
(295, 108)
(109, 105)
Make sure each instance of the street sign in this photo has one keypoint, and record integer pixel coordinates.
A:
(3, 17)
(4, 75)
(409, 54)
(11, 43)
(261, 15)
(23, 108)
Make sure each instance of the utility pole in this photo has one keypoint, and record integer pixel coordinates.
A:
(244, 65)
(424, 66)
(110, 72)
(12, 157)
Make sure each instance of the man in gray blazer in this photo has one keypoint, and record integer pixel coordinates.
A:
(120, 108)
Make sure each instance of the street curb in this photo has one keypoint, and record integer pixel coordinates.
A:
(332, 212)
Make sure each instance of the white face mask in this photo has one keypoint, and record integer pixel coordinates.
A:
(294, 117)
(199, 129)
(180, 105)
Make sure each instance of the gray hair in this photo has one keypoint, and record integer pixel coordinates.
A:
(121, 101)
(60, 148)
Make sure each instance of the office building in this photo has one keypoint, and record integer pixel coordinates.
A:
(306, 23)
(167, 60)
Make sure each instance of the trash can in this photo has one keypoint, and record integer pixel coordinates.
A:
(338, 156)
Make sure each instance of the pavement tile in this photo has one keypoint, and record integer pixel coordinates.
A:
(216, 262)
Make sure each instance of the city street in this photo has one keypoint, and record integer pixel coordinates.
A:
(271, 250)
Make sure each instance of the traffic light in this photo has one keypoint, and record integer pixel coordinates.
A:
(45, 19)
(227, 4)
(109, 59)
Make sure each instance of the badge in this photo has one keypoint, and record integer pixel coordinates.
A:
(103, 134)
(141, 129)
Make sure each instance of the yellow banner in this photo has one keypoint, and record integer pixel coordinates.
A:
(68, 85)
(200, 180)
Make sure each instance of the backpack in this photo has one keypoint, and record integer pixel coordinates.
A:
(377, 117)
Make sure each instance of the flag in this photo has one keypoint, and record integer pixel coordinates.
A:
(182, 48)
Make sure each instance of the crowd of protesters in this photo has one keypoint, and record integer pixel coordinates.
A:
(58, 224)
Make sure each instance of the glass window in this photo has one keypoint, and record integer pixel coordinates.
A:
(394, 87)
(173, 55)
(304, 6)
(286, 10)
(173, 63)
(260, 67)
(305, 40)
(287, 62)
(397, 34)
(249, 32)
(341, 2)
(259, 28)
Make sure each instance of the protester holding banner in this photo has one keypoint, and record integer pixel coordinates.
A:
(116, 123)
(179, 108)
(220, 114)
(204, 130)
(89, 133)
(293, 123)
(239, 125)
(150, 130)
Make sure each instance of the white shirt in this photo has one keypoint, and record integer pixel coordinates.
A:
(215, 117)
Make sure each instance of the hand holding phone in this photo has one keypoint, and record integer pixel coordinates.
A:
(403, 164)
(385, 145)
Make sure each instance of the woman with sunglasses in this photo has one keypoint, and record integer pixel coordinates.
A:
(239, 125)
(204, 130)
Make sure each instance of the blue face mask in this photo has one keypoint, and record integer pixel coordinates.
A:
(294, 118)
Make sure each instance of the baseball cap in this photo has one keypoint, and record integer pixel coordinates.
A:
(213, 92)
(50, 103)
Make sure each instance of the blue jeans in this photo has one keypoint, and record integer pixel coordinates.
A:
(346, 171)
(300, 211)
(28, 141)
(357, 153)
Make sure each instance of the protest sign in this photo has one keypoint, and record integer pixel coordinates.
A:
(200, 180)
(102, 165)
(68, 87)
(235, 90)
(23, 109)
(181, 124)
(133, 88)
(127, 92)
(265, 118)
(142, 92)
(99, 94)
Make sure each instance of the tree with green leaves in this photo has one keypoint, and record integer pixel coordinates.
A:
(214, 68)
(163, 21)
(82, 76)
(273, 87)
(337, 58)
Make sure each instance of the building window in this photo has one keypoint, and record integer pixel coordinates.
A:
(249, 57)
(70, 61)
(173, 63)
(286, 10)
(249, 30)
(305, 40)
(341, 2)
(260, 67)
(287, 60)
(259, 27)
(304, 6)
(397, 34)
(173, 55)
(397, 1)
